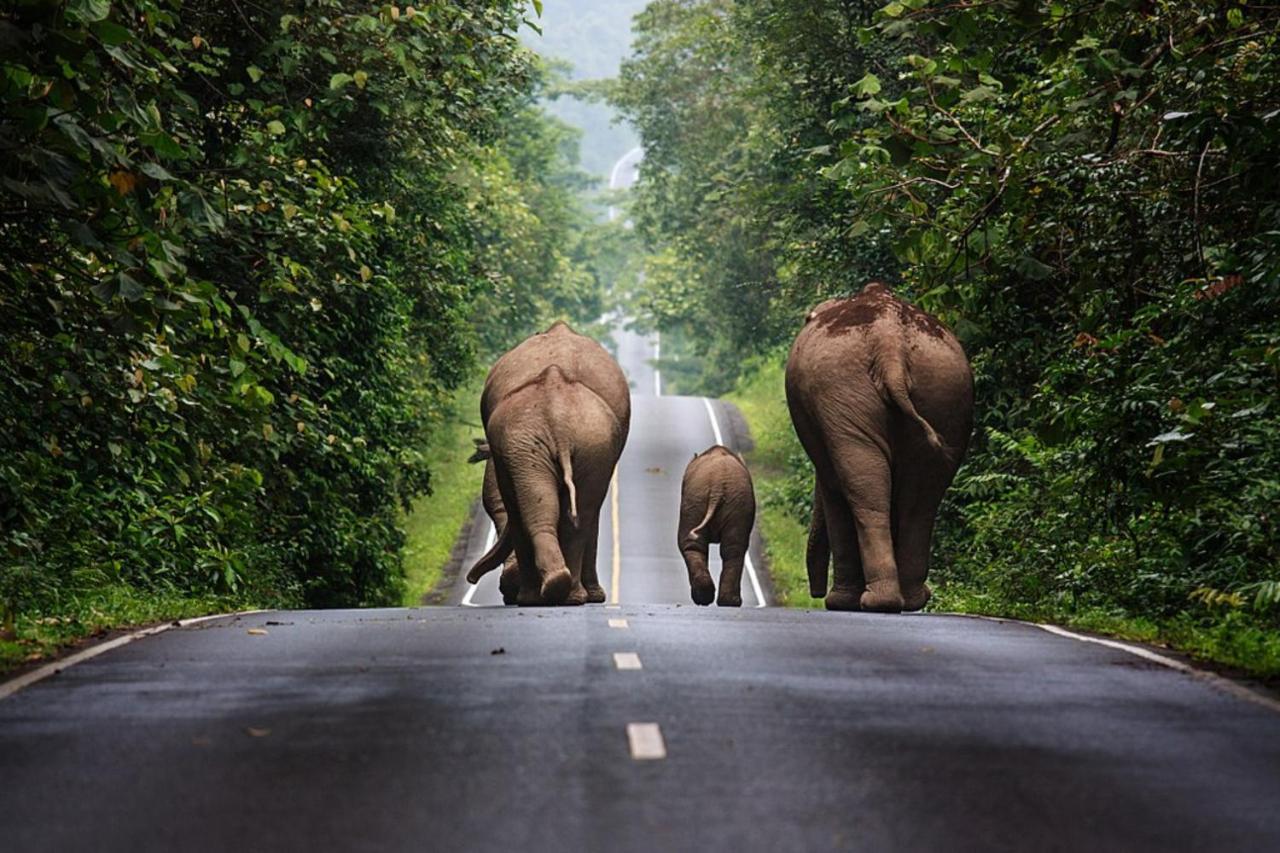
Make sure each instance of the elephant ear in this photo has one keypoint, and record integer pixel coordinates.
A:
(482, 451)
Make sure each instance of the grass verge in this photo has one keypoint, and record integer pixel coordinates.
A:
(1233, 639)
(93, 613)
(760, 397)
(431, 526)
(430, 530)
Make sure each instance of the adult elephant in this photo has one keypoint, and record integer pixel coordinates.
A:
(582, 360)
(881, 396)
(554, 443)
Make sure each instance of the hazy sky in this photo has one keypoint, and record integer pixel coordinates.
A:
(594, 36)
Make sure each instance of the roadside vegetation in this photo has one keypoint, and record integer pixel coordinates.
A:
(1086, 193)
(251, 257)
(433, 520)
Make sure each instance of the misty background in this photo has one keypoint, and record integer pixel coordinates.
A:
(592, 36)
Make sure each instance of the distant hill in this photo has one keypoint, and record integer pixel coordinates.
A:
(593, 36)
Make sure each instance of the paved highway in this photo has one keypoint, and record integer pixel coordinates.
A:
(648, 725)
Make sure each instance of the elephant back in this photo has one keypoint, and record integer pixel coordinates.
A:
(579, 358)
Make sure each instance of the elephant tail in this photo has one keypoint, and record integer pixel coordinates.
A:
(494, 557)
(895, 383)
(817, 555)
(713, 504)
(566, 469)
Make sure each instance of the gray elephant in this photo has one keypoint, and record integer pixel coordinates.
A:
(554, 444)
(491, 500)
(717, 504)
(580, 359)
(881, 396)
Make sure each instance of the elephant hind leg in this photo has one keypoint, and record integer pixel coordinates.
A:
(733, 555)
(590, 579)
(866, 485)
(918, 489)
(702, 589)
(847, 581)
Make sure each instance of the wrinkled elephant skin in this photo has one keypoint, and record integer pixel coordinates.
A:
(881, 396)
(554, 443)
(717, 505)
(582, 360)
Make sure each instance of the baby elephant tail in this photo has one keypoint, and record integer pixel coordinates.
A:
(494, 557)
(712, 505)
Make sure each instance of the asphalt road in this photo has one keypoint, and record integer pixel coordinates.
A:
(645, 726)
(783, 730)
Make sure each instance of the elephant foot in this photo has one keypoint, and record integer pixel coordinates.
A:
(882, 600)
(731, 599)
(556, 587)
(917, 598)
(595, 594)
(844, 599)
(702, 590)
(577, 597)
(509, 585)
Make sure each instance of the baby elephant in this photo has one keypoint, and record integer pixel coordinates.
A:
(717, 504)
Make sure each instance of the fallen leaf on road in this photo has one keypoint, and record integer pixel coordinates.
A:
(253, 731)
(257, 632)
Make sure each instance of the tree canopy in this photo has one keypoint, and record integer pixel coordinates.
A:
(1086, 193)
(249, 250)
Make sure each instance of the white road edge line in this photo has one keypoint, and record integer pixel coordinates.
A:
(626, 660)
(751, 568)
(646, 741)
(618, 623)
(1226, 685)
(489, 539)
(657, 356)
(22, 682)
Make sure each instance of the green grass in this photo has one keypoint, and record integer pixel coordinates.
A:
(431, 527)
(1233, 638)
(95, 612)
(1237, 639)
(760, 397)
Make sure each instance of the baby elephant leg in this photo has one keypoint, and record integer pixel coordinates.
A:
(732, 557)
(701, 587)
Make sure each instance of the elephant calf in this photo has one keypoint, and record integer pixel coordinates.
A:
(717, 504)
(881, 396)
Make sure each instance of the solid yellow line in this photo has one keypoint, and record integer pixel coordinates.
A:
(617, 548)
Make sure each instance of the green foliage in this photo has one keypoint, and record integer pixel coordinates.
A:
(432, 523)
(782, 478)
(247, 259)
(1087, 194)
